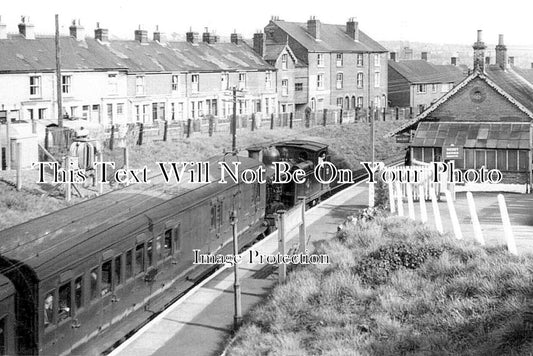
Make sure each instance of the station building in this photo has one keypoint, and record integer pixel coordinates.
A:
(488, 116)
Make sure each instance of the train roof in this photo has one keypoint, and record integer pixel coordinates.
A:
(52, 242)
(305, 144)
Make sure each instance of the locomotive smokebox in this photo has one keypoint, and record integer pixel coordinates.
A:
(270, 155)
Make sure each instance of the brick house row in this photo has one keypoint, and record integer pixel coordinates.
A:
(141, 80)
(324, 65)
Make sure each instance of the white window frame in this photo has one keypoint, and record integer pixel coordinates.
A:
(268, 80)
(377, 60)
(35, 86)
(340, 80)
(66, 84)
(339, 102)
(139, 85)
(195, 83)
(320, 81)
(360, 61)
(242, 81)
(175, 81)
(284, 61)
(285, 87)
(319, 59)
(339, 60)
(112, 83)
(360, 100)
(360, 80)
(120, 109)
(224, 81)
(377, 79)
(421, 88)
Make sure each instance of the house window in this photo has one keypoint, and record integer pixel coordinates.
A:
(299, 87)
(195, 80)
(359, 101)
(112, 83)
(320, 60)
(268, 80)
(339, 80)
(242, 81)
(421, 88)
(193, 111)
(359, 80)
(180, 111)
(285, 87)
(175, 81)
(224, 81)
(313, 104)
(284, 61)
(421, 108)
(377, 60)
(339, 59)
(120, 109)
(139, 85)
(377, 79)
(433, 88)
(267, 106)
(200, 108)
(66, 81)
(359, 59)
(35, 86)
(339, 102)
(320, 81)
(110, 113)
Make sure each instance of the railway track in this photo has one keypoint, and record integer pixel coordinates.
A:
(116, 348)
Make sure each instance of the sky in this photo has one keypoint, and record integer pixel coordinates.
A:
(450, 21)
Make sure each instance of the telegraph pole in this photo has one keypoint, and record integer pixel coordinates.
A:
(371, 192)
(58, 77)
(237, 319)
(234, 120)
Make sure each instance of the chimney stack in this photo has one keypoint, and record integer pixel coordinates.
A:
(101, 34)
(208, 37)
(501, 53)
(141, 35)
(26, 29)
(393, 56)
(511, 60)
(259, 43)
(454, 61)
(352, 29)
(236, 38)
(77, 31)
(313, 27)
(479, 52)
(3, 30)
(158, 36)
(424, 56)
(192, 37)
(487, 61)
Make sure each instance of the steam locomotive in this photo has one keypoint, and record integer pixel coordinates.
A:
(80, 279)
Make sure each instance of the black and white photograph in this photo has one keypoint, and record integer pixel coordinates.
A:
(275, 178)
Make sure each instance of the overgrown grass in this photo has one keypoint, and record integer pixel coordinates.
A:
(396, 288)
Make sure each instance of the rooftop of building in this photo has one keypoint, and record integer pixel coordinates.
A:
(424, 72)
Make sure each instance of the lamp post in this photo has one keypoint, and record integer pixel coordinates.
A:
(237, 319)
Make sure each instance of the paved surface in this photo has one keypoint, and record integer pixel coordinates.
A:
(202, 323)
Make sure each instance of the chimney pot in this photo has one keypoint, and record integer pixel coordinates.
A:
(424, 56)
(313, 27)
(77, 31)
(454, 61)
(511, 60)
(236, 38)
(259, 43)
(479, 53)
(192, 37)
(141, 35)
(158, 36)
(393, 56)
(501, 54)
(101, 34)
(26, 28)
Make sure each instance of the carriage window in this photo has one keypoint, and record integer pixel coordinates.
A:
(158, 248)
(139, 258)
(105, 287)
(63, 311)
(78, 292)
(118, 270)
(49, 309)
(219, 214)
(149, 252)
(2, 336)
(213, 215)
(94, 283)
(167, 247)
(129, 264)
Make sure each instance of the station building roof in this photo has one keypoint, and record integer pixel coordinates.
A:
(423, 72)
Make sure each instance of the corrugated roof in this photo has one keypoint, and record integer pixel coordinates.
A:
(420, 72)
(18, 54)
(333, 38)
(472, 135)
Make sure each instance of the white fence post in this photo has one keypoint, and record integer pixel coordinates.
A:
(391, 198)
(399, 197)
(436, 212)
(478, 235)
(453, 215)
(422, 201)
(511, 245)
(410, 204)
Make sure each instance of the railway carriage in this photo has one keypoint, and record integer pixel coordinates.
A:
(117, 259)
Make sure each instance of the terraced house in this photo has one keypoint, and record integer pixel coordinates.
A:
(322, 65)
(125, 81)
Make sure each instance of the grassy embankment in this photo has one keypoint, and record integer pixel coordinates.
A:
(348, 142)
(396, 288)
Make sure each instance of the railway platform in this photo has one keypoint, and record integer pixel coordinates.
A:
(201, 323)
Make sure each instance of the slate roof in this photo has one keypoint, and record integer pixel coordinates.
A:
(472, 135)
(272, 51)
(423, 72)
(527, 74)
(18, 54)
(333, 38)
